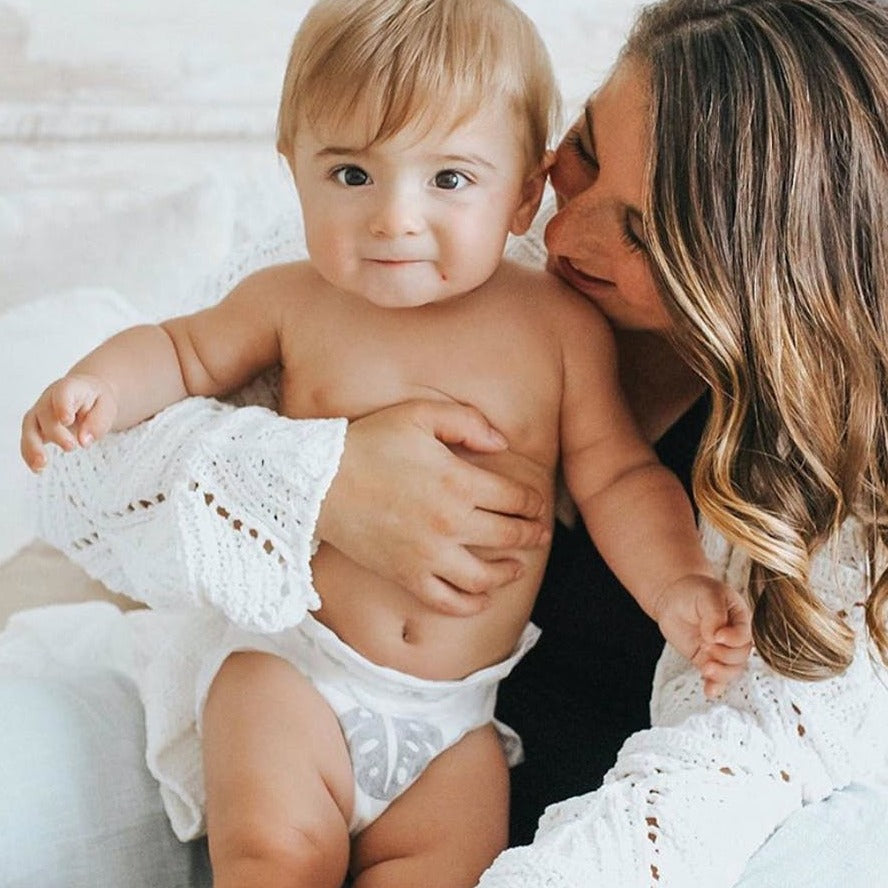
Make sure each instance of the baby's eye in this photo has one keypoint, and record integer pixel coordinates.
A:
(351, 175)
(450, 180)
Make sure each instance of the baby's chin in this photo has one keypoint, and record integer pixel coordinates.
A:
(404, 288)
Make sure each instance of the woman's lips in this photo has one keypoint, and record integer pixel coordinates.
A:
(578, 278)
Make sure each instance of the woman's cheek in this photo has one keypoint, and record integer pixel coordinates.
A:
(638, 290)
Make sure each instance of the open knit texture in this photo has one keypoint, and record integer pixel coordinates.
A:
(211, 506)
(690, 800)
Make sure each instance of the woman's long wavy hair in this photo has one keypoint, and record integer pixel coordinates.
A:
(767, 219)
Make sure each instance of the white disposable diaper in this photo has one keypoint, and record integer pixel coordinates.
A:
(394, 723)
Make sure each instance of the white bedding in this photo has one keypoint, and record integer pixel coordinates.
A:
(136, 151)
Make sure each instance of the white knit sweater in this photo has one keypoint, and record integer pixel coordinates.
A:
(210, 505)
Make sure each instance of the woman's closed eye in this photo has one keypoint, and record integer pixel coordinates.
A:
(352, 176)
(574, 140)
(633, 241)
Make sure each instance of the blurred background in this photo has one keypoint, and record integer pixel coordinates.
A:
(137, 151)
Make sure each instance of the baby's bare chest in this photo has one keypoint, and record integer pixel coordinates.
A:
(510, 370)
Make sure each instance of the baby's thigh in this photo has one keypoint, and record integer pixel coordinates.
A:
(79, 807)
(834, 842)
(278, 778)
(447, 827)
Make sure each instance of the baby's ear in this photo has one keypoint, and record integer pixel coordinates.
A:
(531, 195)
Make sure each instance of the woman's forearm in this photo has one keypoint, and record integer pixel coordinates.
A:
(203, 505)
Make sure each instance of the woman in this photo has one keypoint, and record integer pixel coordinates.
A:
(751, 139)
(616, 239)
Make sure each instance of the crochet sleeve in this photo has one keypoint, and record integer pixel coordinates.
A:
(690, 800)
(207, 503)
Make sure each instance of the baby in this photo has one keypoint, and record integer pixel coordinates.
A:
(416, 134)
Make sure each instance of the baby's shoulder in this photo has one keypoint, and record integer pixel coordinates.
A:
(286, 282)
(550, 300)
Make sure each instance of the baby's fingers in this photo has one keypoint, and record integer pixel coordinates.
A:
(717, 677)
(70, 398)
(720, 665)
(52, 431)
(736, 636)
(737, 632)
(31, 444)
(727, 655)
(97, 421)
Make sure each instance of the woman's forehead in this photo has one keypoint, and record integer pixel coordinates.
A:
(617, 122)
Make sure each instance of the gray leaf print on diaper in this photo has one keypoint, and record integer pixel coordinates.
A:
(388, 753)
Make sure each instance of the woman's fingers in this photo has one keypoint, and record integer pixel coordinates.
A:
(442, 596)
(406, 507)
(505, 496)
(457, 424)
(463, 590)
(491, 530)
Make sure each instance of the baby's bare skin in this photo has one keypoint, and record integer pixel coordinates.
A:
(534, 357)
(497, 348)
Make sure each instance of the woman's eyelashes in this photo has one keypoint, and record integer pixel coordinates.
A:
(575, 142)
(633, 241)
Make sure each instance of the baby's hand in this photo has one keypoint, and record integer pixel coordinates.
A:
(76, 409)
(710, 624)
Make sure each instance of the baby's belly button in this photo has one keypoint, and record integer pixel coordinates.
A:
(409, 632)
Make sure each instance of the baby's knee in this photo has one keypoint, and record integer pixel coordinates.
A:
(266, 856)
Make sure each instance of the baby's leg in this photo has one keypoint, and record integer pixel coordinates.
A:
(278, 778)
(447, 828)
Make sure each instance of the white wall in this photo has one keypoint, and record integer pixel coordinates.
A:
(136, 150)
(136, 135)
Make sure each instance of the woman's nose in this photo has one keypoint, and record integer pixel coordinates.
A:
(396, 214)
(576, 229)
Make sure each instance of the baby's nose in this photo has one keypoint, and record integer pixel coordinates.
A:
(396, 215)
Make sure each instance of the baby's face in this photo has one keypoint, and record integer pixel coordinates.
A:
(416, 218)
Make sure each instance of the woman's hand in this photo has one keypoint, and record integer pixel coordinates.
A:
(404, 506)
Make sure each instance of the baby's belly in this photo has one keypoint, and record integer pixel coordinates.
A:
(392, 627)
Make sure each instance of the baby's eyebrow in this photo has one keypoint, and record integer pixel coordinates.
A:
(338, 151)
(442, 160)
(470, 159)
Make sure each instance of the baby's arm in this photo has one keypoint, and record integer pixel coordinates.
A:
(143, 369)
(637, 511)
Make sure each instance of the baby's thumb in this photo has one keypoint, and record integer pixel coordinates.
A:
(738, 628)
(97, 423)
(713, 618)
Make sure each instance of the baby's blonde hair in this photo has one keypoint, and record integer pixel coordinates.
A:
(419, 63)
(766, 217)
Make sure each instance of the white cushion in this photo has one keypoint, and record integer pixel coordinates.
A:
(39, 341)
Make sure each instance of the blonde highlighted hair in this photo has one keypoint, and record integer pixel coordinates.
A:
(767, 218)
(418, 63)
